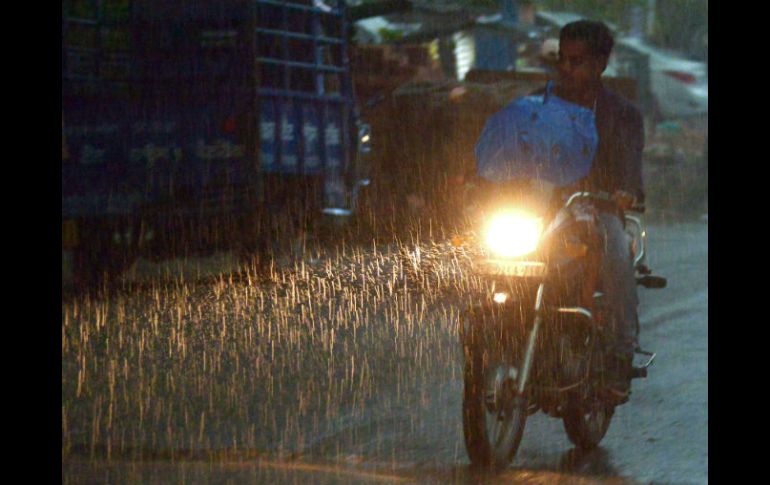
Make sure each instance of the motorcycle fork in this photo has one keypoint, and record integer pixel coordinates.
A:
(529, 355)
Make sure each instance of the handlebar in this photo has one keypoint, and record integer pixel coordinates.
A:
(604, 197)
(629, 219)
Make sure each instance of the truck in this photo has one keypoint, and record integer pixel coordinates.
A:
(191, 126)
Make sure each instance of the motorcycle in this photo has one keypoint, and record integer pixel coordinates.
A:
(539, 342)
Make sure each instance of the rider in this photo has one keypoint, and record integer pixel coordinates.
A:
(584, 50)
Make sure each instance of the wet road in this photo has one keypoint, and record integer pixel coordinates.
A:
(410, 429)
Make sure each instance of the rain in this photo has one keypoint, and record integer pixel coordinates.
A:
(324, 346)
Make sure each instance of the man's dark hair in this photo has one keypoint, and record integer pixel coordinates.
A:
(594, 33)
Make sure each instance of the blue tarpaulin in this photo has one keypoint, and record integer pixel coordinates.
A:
(539, 137)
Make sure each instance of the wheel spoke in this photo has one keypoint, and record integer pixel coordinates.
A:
(503, 434)
(492, 429)
(499, 407)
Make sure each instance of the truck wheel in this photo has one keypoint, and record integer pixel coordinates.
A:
(254, 248)
(104, 253)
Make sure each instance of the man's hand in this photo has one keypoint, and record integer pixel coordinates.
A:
(625, 200)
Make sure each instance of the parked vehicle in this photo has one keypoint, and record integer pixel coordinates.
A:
(191, 126)
(679, 86)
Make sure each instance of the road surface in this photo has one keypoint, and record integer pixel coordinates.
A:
(396, 417)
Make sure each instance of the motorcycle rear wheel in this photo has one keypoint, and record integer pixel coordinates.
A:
(494, 415)
(586, 423)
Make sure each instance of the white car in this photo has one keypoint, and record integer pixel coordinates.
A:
(679, 86)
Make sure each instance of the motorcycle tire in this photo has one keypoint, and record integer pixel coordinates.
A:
(586, 420)
(586, 423)
(492, 436)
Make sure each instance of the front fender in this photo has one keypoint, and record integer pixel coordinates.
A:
(489, 324)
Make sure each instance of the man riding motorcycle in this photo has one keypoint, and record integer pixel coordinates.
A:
(584, 50)
(556, 172)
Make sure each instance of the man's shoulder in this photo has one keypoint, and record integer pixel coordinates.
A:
(619, 103)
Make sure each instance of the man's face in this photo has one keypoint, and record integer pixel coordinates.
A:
(578, 68)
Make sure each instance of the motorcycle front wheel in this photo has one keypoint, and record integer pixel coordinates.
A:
(494, 414)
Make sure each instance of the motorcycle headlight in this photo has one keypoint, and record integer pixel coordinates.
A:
(511, 234)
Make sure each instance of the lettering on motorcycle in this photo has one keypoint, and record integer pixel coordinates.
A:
(513, 268)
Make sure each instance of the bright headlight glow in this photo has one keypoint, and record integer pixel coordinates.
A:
(511, 234)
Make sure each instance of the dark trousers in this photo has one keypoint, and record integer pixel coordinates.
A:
(619, 284)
